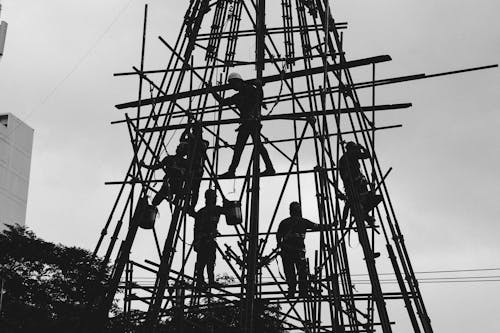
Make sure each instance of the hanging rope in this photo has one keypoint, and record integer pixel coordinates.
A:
(153, 107)
(282, 72)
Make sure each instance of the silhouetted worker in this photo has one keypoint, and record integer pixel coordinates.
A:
(205, 233)
(175, 171)
(290, 237)
(248, 100)
(196, 153)
(355, 183)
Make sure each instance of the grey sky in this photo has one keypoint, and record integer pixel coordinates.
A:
(57, 76)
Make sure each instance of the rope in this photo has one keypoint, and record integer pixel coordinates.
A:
(184, 241)
(153, 107)
(282, 72)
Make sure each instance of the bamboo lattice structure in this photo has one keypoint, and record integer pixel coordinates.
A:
(313, 108)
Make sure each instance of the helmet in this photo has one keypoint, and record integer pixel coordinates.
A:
(351, 146)
(234, 76)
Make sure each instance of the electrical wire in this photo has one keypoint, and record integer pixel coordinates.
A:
(79, 62)
(424, 280)
(442, 271)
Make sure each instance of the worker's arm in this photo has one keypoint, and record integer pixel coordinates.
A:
(224, 210)
(363, 153)
(191, 212)
(228, 101)
(279, 236)
(317, 227)
(155, 166)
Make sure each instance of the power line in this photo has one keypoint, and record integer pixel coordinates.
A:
(423, 272)
(442, 271)
(77, 65)
(461, 277)
(430, 280)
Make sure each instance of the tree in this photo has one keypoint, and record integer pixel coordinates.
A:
(212, 314)
(48, 287)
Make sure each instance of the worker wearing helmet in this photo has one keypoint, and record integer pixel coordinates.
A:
(355, 183)
(248, 100)
(196, 153)
(290, 238)
(350, 169)
(175, 167)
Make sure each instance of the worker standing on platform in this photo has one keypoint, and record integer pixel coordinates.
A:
(248, 100)
(196, 154)
(290, 238)
(355, 183)
(175, 172)
(205, 233)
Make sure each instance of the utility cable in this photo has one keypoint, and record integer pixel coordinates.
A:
(79, 62)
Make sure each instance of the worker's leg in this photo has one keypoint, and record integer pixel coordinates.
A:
(201, 261)
(162, 193)
(302, 272)
(367, 200)
(257, 142)
(211, 256)
(241, 140)
(289, 269)
(357, 193)
(345, 215)
(195, 190)
(176, 186)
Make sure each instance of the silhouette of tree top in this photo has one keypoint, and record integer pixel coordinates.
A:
(47, 287)
(211, 315)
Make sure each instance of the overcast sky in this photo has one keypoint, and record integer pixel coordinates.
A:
(56, 75)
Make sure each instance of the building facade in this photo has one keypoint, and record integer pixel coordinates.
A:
(3, 34)
(16, 143)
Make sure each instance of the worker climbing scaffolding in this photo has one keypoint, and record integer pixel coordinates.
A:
(175, 167)
(320, 51)
(355, 183)
(196, 148)
(248, 100)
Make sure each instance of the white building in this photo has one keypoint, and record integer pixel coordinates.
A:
(3, 34)
(16, 142)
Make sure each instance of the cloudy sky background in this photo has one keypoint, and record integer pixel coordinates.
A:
(56, 75)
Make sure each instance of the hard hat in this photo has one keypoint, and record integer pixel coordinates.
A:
(234, 76)
(351, 145)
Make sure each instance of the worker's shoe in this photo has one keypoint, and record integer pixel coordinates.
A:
(303, 294)
(214, 284)
(370, 200)
(268, 172)
(290, 293)
(202, 286)
(370, 220)
(229, 174)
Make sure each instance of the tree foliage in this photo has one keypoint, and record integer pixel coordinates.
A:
(52, 288)
(211, 314)
(220, 316)
(48, 287)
